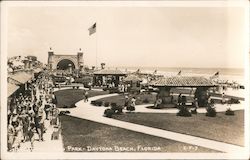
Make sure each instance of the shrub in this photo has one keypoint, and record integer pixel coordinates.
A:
(108, 113)
(117, 109)
(72, 106)
(64, 113)
(145, 100)
(184, 112)
(113, 104)
(211, 112)
(106, 104)
(64, 106)
(113, 90)
(67, 112)
(229, 112)
(93, 103)
(98, 103)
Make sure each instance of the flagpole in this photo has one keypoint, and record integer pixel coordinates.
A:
(92, 30)
(96, 49)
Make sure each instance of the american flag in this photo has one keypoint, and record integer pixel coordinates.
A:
(179, 73)
(92, 29)
(216, 75)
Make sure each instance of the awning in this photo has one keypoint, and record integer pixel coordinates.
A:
(12, 88)
(21, 77)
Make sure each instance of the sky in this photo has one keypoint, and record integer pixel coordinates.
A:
(195, 37)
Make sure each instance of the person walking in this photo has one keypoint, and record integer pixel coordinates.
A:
(86, 96)
(89, 85)
(11, 134)
(19, 134)
(209, 100)
(41, 114)
(31, 134)
(179, 99)
(223, 100)
(47, 108)
(54, 99)
(196, 105)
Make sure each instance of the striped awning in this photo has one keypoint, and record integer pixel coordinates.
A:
(180, 81)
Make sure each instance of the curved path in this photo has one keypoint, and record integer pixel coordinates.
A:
(93, 113)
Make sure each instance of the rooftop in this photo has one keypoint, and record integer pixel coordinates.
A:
(132, 77)
(183, 81)
(12, 88)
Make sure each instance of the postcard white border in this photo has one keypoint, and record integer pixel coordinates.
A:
(49, 155)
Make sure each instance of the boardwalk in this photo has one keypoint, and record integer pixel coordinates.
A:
(47, 145)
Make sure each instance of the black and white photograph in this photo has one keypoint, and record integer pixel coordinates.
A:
(124, 80)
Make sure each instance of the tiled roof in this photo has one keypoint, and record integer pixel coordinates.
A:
(180, 81)
(12, 88)
(109, 72)
(132, 77)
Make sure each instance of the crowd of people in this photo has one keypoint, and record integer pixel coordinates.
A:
(28, 112)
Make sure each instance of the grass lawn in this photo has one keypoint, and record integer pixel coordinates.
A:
(229, 129)
(84, 136)
(71, 96)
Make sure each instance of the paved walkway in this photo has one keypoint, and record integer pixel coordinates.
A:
(47, 145)
(93, 113)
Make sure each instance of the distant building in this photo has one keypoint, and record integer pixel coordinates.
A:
(64, 62)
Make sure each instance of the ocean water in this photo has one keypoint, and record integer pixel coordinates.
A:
(231, 74)
(209, 71)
